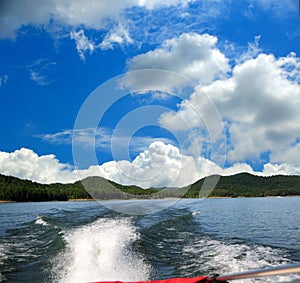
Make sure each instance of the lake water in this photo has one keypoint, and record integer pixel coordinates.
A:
(86, 241)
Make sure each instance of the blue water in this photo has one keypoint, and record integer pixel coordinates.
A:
(88, 241)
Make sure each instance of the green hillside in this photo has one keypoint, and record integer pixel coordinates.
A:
(247, 185)
(15, 189)
(240, 185)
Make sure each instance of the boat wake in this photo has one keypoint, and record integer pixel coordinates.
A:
(78, 242)
(233, 257)
(101, 251)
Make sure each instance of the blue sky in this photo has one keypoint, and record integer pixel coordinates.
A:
(224, 97)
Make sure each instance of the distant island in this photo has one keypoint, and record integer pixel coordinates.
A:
(239, 185)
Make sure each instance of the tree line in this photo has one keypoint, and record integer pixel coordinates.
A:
(246, 185)
(15, 189)
(239, 185)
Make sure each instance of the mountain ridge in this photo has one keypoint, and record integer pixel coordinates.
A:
(238, 185)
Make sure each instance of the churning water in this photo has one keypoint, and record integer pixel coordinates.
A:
(84, 241)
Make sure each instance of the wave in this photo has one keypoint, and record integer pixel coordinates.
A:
(226, 256)
(101, 251)
(3, 257)
(197, 212)
(90, 244)
(41, 221)
(179, 247)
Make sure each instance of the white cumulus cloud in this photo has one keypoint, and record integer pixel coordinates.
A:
(159, 165)
(26, 164)
(193, 55)
(93, 14)
(259, 107)
(271, 169)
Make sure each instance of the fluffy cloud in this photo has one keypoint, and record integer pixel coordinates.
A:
(76, 18)
(26, 164)
(89, 13)
(159, 165)
(290, 155)
(258, 105)
(16, 14)
(280, 169)
(192, 55)
(261, 101)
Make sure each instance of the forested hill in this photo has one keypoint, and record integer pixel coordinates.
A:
(247, 185)
(240, 185)
(15, 189)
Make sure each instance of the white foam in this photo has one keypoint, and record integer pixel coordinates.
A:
(3, 257)
(196, 212)
(40, 221)
(101, 251)
(231, 258)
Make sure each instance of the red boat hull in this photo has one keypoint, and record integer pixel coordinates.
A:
(200, 279)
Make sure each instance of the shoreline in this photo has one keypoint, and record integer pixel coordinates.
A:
(92, 199)
(81, 199)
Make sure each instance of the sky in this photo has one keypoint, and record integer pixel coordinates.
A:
(147, 92)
